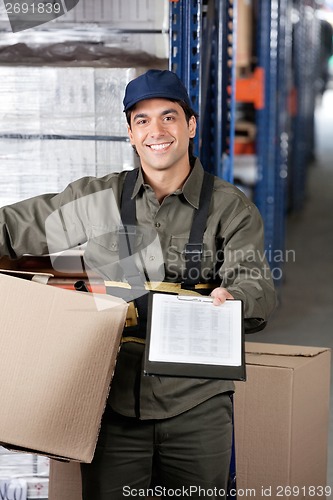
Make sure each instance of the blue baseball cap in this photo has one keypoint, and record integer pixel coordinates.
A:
(155, 83)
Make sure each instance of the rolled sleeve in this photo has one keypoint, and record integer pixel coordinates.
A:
(52, 223)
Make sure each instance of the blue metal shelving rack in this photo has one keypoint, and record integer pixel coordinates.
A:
(305, 59)
(285, 86)
(202, 54)
(285, 139)
(266, 124)
(185, 49)
(273, 125)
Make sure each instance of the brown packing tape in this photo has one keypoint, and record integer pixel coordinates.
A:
(164, 286)
(132, 315)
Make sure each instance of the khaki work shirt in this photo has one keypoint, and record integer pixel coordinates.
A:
(87, 211)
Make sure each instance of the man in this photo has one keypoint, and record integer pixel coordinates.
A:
(166, 431)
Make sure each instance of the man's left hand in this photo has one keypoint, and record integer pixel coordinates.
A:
(220, 295)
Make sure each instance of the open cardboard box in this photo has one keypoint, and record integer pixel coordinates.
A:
(58, 354)
(281, 426)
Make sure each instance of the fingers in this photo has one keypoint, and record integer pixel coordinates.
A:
(220, 295)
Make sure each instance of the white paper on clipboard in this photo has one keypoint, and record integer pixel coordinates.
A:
(190, 329)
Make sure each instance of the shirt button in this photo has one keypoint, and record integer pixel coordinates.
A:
(157, 224)
(152, 257)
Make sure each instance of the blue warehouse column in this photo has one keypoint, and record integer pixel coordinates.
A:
(306, 45)
(283, 120)
(185, 49)
(273, 125)
(202, 52)
(266, 118)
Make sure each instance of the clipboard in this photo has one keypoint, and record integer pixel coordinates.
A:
(187, 336)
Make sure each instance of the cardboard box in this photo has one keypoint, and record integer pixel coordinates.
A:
(73, 103)
(281, 421)
(244, 33)
(59, 350)
(36, 166)
(281, 426)
(56, 98)
(65, 481)
(120, 14)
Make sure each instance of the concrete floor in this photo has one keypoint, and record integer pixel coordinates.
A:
(305, 312)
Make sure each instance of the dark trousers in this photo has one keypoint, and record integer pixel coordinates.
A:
(187, 454)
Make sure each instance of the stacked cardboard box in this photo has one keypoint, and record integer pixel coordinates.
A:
(24, 488)
(281, 421)
(23, 476)
(134, 25)
(64, 100)
(244, 35)
(60, 123)
(136, 14)
(281, 426)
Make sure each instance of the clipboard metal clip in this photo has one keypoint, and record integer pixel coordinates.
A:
(187, 298)
(190, 298)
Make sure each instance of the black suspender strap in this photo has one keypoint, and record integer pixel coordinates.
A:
(194, 248)
(127, 205)
(127, 236)
(128, 232)
(127, 239)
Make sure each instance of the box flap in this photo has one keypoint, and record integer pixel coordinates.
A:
(283, 349)
(280, 355)
(28, 275)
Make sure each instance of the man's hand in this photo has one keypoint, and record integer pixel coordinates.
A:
(220, 295)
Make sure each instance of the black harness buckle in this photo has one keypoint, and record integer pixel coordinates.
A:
(127, 230)
(193, 249)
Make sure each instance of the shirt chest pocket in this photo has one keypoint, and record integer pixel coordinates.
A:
(176, 258)
(102, 253)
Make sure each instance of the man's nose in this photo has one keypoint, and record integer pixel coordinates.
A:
(156, 128)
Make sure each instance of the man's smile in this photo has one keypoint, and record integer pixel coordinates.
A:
(159, 147)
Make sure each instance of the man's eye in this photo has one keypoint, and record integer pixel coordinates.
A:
(141, 122)
(168, 118)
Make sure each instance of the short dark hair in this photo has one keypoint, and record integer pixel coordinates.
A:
(189, 112)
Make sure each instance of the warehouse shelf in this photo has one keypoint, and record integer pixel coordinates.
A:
(306, 43)
(25, 141)
(202, 54)
(213, 60)
(252, 88)
(277, 84)
(273, 123)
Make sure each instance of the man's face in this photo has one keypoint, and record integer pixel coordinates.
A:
(160, 133)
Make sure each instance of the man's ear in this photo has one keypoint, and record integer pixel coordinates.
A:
(192, 126)
(130, 135)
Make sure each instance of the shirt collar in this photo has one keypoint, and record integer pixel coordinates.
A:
(139, 183)
(191, 188)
